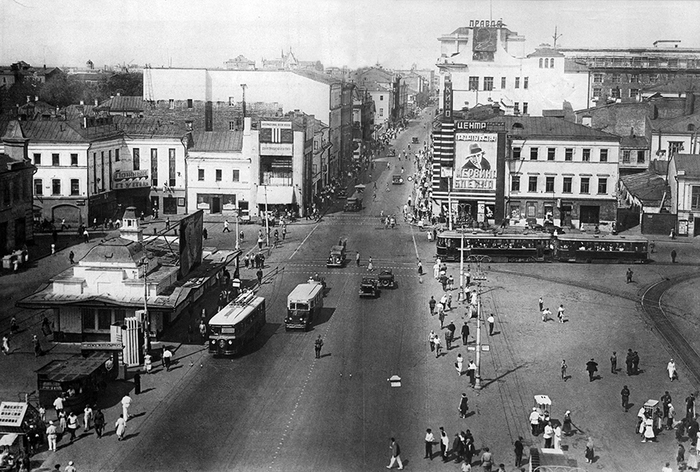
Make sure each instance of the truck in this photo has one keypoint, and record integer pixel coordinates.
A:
(304, 303)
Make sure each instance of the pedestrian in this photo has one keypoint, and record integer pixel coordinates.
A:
(420, 268)
(625, 394)
(357, 258)
(628, 361)
(613, 363)
(592, 368)
(690, 406)
(590, 451)
(5, 344)
(58, 405)
(567, 424)
(203, 330)
(167, 359)
(450, 335)
(395, 454)
(53, 249)
(673, 256)
(486, 460)
(459, 363)
(471, 373)
(518, 449)
(137, 383)
(635, 362)
(126, 403)
(205, 233)
(667, 468)
(449, 302)
(465, 333)
(260, 242)
(541, 302)
(450, 282)
(548, 435)
(37, 346)
(370, 267)
(431, 341)
(87, 417)
(72, 425)
(441, 314)
(120, 425)
(429, 440)
(71, 257)
(431, 304)
(491, 322)
(670, 415)
(444, 444)
(560, 313)
(468, 277)
(680, 456)
(671, 368)
(563, 370)
(318, 344)
(534, 421)
(70, 467)
(629, 275)
(86, 236)
(51, 436)
(167, 223)
(99, 422)
(438, 346)
(463, 406)
(241, 235)
(259, 275)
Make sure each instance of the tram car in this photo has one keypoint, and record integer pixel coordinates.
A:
(494, 247)
(236, 325)
(601, 248)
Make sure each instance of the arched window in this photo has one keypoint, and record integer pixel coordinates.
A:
(518, 125)
(540, 63)
(551, 63)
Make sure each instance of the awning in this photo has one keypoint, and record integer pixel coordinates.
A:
(274, 195)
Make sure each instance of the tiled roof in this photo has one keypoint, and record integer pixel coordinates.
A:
(372, 75)
(637, 142)
(123, 103)
(546, 127)
(677, 125)
(647, 186)
(51, 132)
(690, 163)
(116, 251)
(220, 141)
(76, 111)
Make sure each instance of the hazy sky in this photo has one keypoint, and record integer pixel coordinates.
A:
(397, 33)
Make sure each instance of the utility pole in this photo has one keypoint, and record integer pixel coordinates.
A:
(555, 37)
(145, 321)
(477, 383)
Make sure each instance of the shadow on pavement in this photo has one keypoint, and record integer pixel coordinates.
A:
(324, 316)
(496, 379)
(265, 334)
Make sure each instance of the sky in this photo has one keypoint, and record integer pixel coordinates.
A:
(395, 33)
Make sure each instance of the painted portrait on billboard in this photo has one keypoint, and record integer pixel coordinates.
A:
(475, 162)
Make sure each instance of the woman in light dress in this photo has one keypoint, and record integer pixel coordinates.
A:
(121, 427)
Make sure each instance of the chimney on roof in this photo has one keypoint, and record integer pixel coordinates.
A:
(82, 102)
(632, 132)
(36, 98)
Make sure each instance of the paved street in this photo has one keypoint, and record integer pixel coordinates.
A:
(277, 408)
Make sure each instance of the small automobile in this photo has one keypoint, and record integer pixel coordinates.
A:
(397, 179)
(337, 257)
(414, 140)
(386, 278)
(353, 204)
(369, 288)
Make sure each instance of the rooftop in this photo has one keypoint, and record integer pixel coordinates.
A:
(121, 103)
(648, 186)
(688, 163)
(219, 141)
(549, 127)
(116, 251)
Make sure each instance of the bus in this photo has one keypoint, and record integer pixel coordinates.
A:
(236, 324)
(600, 248)
(303, 304)
(494, 247)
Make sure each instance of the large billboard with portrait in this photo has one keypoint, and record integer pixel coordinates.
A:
(476, 163)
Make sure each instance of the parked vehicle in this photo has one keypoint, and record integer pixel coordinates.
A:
(397, 179)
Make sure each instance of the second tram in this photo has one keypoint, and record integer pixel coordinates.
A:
(232, 328)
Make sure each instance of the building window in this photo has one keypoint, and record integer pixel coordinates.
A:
(674, 147)
(602, 185)
(516, 108)
(137, 159)
(540, 63)
(236, 175)
(531, 210)
(74, 186)
(200, 175)
(549, 184)
(603, 155)
(634, 93)
(171, 104)
(37, 159)
(55, 187)
(546, 63)
(116, 155)
(566, 188)
(189, 103)
(532, 183)
(634, 78)
(525, 108)
(616, 79)
(597, 92)
(473, 83)
(598, 78)
(488, 83)
(526, 81)
(551, 153)
(171, 167)
(641, 157)
(533, 153)
(55, 160)
(569, 154)
(695, 198)
(517, 82)
(615, 92)
(551, 64)
(586, 155)
(516, 152)
(74, 160)
(585, 185)
(232, 126)
(626, 157)
(381, 112)
(38, 187)
(154, 167)
(515, 183)
(218, 175)
(503, 83)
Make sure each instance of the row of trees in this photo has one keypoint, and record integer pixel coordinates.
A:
(63, 89)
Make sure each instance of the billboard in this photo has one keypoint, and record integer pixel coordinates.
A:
(191, 242)
(475, 162)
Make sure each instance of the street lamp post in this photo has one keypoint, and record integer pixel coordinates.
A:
(267, 221)
(238, 241)
(145, 322)
(477, 383)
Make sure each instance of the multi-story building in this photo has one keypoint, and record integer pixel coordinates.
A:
(380, 82)
(561, 172)
(319, 162)
(240, 63)
(684, 184)
(16, 171)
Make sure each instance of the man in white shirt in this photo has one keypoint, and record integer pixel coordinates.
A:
(429, 440)
(126, 403)
(534, 421)
(58, 405)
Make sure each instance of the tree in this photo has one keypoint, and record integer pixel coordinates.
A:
(123, 83)
(61, 91)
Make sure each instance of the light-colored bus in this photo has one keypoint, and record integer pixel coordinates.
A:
(303, 304)
(236, 325)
